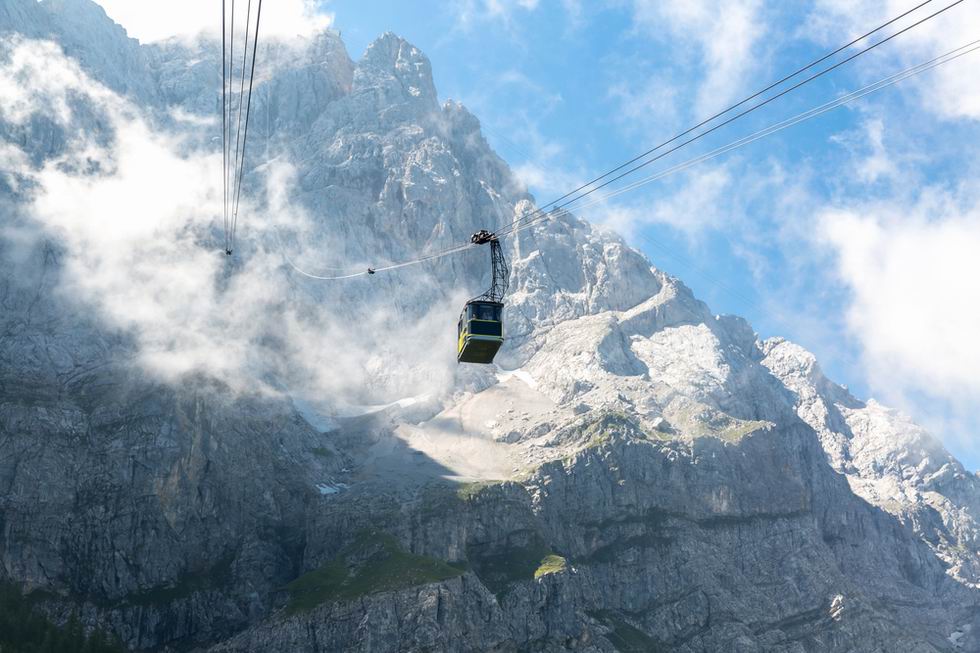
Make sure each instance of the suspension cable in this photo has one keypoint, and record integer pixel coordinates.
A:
(224, 120)
(806, 115)
(540, 213)
(732, 107)
(248, 111)
(228, 167)
(789, 122)
(867, 90)
(241, 103)
(234, 167)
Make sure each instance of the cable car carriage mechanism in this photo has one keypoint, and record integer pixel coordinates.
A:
(481, 326)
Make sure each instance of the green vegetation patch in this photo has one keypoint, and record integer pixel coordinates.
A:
(438, 499)
(24, 630)
(550, 564)
(698, 421)
(625, 637)
(599, 428)
(506, 566)
(609, 423)
(740, 429)
(189, 583)
(469, 491)
(374, 563)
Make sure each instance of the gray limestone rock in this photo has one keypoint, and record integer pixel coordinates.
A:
(637, 475)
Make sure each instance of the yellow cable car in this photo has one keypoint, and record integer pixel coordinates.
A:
(480, 330)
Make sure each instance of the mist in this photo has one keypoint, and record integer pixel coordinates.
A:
(135, 210)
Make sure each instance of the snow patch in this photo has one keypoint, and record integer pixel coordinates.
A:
(327, 489)
(837, 607)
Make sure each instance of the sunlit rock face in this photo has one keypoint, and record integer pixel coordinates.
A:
(268, 462)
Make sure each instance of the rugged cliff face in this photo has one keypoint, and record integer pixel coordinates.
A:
(638, 474)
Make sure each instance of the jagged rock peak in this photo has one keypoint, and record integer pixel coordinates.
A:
(85, 14)
(461, 117)
(393, 48)
(394, 55)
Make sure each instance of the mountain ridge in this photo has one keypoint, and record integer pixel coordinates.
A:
(706, 490)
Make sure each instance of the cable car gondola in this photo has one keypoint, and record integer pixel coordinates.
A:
(480, 331)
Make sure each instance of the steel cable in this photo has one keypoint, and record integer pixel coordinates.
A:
(784, 124)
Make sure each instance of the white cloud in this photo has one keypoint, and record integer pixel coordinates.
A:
(915, 283)
(725, 36)
(544, 165)
(471, 12)
(949, 91)
(647, 106)
(877, 164)
(704, 198)
(133, 247)
(36, 76)
(914, 278)
(155, 20)
(548, 169)
(134, 215)
(503, 6)
(575, 13)
(869, 159)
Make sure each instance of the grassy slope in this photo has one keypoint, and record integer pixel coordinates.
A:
(375, 562)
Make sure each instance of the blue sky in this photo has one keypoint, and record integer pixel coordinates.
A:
(854, 234)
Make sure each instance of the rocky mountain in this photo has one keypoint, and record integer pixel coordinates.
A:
(229, 456)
